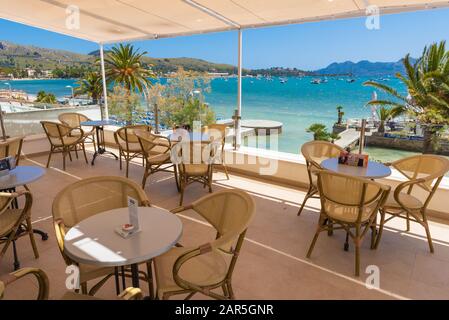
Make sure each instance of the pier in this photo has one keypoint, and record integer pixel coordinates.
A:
(348, 138)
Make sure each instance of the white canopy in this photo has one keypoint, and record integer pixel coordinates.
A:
(108, 21)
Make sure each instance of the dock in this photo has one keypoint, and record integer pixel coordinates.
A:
(348, 138)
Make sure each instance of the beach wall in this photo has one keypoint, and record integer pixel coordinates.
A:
(378, 140)
(28, 122)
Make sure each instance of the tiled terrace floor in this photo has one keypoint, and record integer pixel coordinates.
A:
(272, 264)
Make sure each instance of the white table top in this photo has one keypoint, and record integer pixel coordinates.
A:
(94, 240)
(374, 170)
(20, 176)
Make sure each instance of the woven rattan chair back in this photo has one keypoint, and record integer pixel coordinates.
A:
(12, 147)
(72, 119)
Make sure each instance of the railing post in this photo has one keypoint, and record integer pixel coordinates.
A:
(362, 136)
(105, 113)
(237, 130)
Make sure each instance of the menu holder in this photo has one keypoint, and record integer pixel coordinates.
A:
(353, 159)
(132, 227)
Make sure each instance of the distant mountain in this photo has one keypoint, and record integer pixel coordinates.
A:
(364, 68)
(14, 56)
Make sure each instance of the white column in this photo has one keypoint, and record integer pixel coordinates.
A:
(239, 90)
(105, 90)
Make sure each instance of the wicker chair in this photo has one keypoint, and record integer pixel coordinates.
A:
(73, 120)
(13, 219)
(424, 174)
(218, 133)
(208, 266)
(43, 286)
(86, 198)
(61, 140)
(194, 160)
(351, 204)
(128, 143)
(156, 151)
(11, 147)
(314, 152)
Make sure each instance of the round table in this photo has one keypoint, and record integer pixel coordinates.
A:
(94, 240)
(99, 132)
(374, 170)
(20, 176)
(17, 177)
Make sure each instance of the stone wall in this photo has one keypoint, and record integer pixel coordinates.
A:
(378, 140)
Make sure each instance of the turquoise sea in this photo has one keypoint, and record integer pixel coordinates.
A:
(296, 103)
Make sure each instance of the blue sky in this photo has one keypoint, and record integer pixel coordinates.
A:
(306, 46)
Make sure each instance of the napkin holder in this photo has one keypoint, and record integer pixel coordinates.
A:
(353, 159)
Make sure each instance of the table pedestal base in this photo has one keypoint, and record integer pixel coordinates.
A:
(101, 151)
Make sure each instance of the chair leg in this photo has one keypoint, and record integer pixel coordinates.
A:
(64, 151)
(76, 152)
(308, 195)
(49, 157)
(330, 229)
(225, 290)
(183, 183)
(373, 232)
(150, 279)
(231, 292)
(144, 179)
(315, 237)
(84, 151)
(381, 228)
(357, 256)
(127, 166)
(7, 243)
(226, 170)
(175, 170)
(32, 240)
(84, 288)
(429, 237)
(408, 221)
(70, 155)
(120, 156)
(210, 185)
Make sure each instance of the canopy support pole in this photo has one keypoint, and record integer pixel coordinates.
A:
(105, 113)
(238, 140)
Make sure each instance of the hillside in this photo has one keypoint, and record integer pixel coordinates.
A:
(15, 59)
(363, 68)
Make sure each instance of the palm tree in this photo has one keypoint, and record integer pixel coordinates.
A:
(320, 132)
(92, 85)
(385, 114)
(427, 81)
(44, 97)
(124, 66)
(340, 114)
